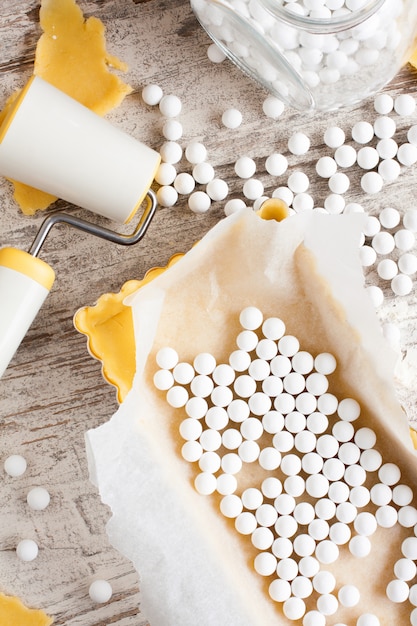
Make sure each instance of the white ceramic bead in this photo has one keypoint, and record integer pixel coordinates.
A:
(348, 409)
(387, 148)
(287, 569)
(327, 404)
(269, 458)
(27, 550)
(152, 94)
(397, 591)
(167, 196)
(317, 422)
(165, 174)
(170, 105)
(209, 462)
(217, 189)
(325, 510)
(368, 619)
(327, 446)
(191, 451)
(266, 515)
(295, 485)
(334, 203)
(346, 512)
(245, 523)
(327, 604)
(172, 130)
(288, 345)
(249, 451)
(231, 439)
(273, 107)
(386, 516)
(298, 182)
(401, 285)
(325, 363)
(100, 591)
(334, 137)
(308, 566)
(317, 486)
(410, 220)
(283, 441)
(384, 127)
(372, 182)
(195, 152)
(349, 595)
(203, 173)
(15, 465)
(389, 474)
(371, 460)
(345, 156)
(221, 396)
(365, 524)
(215, 54)
(199, 202)
(231, 506)
(280, 590)
(407, 516)
(205, 483)
(360, 546)
(407, 154)
(326, 166)
(177, 396)
(262, 538)
(38, 498)
(276, 164)
(298, 143)
(404, 104)
(362, 132)
(383, 104)
(265, 563)
(404, 239)
(324, 582)
(171, 152)
(231, 463)
(232, 118)
(368, 158)
(339, 183)
(407, 263)
(233, 206)
(245, 167)
(184, 183)
(403, 495)
(314, 618)
(284, 403)
(405, 569)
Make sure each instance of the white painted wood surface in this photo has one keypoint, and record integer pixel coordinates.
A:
(53, 391)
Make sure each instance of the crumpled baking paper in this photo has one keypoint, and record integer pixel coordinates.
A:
(305, 269)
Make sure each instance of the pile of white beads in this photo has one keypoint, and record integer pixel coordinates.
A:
(389, 244)
(325, 483)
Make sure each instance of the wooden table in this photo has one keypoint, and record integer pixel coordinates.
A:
(53, 390)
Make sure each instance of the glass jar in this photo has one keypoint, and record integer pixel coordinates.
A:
(314, 54)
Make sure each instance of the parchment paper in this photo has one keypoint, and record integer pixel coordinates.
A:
(194, 568)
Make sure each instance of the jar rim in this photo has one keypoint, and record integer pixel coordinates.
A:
(322, 25)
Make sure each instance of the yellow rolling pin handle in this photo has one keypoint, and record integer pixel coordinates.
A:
(25, 282)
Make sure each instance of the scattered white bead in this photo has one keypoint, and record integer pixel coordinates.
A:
(184, 183)
(326, 166)
(397, 591)
(383, 104)
(407, 154)
(170, 106)
(298, 143)
(387, 148)
(233, 206)
(407, 263)
(38, 498)
(334, 137)
(276, 164)
(245, 167)
(294, 608)
(345, 156)
(324, 582)
(205, 483)
(387, 269)
(165, 174)
(195, 152)
(280, 590)
(15, 465)
(362, 132)
(203, 173)
(367, 158)
(273, 107)
(217, 189)
(152, 94)
(368, 619)
(365, 524)
(215, 54)
(327, 604)
(372, 182)
(232, 118)
(253, 188)
(171, 152)
(404, 104)
(27, 550)
(199, 202)
(384, 127)
(172, 129)
(100, 591)
(167, 196)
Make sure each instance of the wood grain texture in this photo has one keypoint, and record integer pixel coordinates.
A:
(53, 391)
